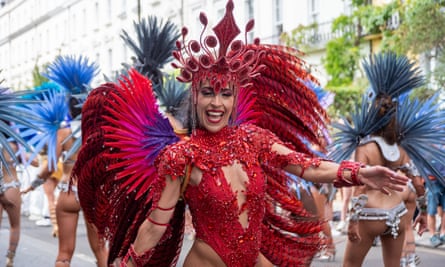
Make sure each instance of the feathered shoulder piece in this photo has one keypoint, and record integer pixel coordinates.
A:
(364, 121)
(124, 132)
(50, 114)
(285, 99)
(421, 132)
(12, 115)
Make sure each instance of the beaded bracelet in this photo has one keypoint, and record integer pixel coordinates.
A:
(352, 180)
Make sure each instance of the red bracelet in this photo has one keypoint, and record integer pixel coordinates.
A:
(354, 168)
(138, 260)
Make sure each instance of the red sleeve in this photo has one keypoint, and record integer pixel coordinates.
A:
(173, 161)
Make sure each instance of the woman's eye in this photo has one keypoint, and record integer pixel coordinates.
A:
(227, 93)
(207, 92)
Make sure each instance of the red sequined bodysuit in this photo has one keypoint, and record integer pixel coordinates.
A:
(216, 208)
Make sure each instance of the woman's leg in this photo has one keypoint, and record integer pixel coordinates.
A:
(320, 201)
(1, 215)
(392, 248)
(13, 210)
(67, 211)
(356, 252)
(49, 187)
(346, 193)
(97, 245)
(409, 246)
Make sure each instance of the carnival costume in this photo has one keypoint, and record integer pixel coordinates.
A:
(419, 128)
(129, 147)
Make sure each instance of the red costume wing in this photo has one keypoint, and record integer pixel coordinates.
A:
(123, 133)
(287, 104)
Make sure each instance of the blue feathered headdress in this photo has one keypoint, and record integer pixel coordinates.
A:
(72, 73)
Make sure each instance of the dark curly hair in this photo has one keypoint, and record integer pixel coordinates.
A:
(389, 131)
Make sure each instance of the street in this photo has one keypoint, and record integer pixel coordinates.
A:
(38, 248)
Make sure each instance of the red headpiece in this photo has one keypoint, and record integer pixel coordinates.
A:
(234, 62)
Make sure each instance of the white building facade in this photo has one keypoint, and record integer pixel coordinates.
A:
(34, 32)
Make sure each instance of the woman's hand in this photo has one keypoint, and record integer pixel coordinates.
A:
(383, 179)
(27, 190)
(421, 220)
(353, 234)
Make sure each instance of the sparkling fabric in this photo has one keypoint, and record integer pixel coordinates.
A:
(215, 207)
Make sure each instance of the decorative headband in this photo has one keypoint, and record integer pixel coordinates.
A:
(220, 58)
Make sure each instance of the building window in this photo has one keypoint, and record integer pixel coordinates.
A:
(314, 10)
(110, 61)
(96, 15)
(250, 14)
(278, 20)
(109, 11)
(84, 22)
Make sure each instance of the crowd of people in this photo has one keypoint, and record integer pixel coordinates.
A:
(228, 161)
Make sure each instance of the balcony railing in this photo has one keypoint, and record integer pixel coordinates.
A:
(318, 35)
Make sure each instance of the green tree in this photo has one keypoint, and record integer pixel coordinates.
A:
(37, 78)
(420, 34)
(417, 34)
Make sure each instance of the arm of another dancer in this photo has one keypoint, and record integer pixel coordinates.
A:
(45, 172)
(151, 230)
(421, 220)
(376, 177)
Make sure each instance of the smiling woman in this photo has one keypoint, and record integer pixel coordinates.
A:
(251, 110)
(214, 107)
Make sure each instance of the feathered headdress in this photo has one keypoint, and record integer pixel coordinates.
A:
(153, 47)
(218, 57)
(72, 73)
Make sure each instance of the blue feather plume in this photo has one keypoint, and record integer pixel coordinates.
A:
(72, 73)
(51, 114)
(392, 75)
(12, 114)
(421, 132)
(365, 120)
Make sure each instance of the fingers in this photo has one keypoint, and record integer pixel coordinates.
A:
(394, 187)
(399, 180)
(385, 191)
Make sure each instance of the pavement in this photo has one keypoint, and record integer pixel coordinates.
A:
(38, 248)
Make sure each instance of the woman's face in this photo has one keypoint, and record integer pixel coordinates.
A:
(214, 108)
